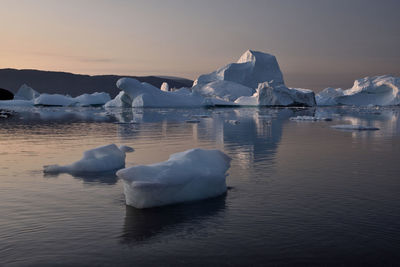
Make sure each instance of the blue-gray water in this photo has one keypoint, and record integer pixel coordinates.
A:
(301, 193)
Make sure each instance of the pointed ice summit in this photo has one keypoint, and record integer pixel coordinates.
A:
(252, 68)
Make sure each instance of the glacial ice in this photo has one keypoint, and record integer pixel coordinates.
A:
(100, 159)
(186, 176)
(54, 100)
(226, 90)
(164, 87)
(378, 90)
(252, 68)
(278, 95)
(95, 99)
(145, 95)
(26, 93)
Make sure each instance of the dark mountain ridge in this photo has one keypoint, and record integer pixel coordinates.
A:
(54, 82)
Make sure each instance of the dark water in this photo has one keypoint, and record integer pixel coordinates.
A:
(301, 193)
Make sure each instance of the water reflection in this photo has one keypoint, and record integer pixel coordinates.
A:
(143, 224)
(106, 178)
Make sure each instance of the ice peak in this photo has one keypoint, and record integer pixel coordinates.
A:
(252, 56)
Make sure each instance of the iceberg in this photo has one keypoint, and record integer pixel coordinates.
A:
(368, 91)
(145, 95)
(186, 176)
(252, 68)
(270, 94)
(95, 99)
(310, 118)
(100, 159)
(54, 100)
(26, 93)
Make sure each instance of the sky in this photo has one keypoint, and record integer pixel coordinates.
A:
(318, 43)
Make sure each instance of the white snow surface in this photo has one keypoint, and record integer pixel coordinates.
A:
(354, 127)
(252, 68)
(100, 159)
(186, 176)
(378, 90)
(26, 93)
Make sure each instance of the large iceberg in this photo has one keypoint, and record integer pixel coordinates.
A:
(252, 68)
(278, 95)
(378, 90)
(255, 80)
(100, 159)
(186, 176)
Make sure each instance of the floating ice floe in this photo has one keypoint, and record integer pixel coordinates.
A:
(100, 159)
(95, 99)
(186, 176)
(352, 127)
(369, 91)
(26, 96)
(309, 118)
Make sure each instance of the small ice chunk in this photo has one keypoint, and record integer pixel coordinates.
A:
(352, 127)
(186, 176)
(309, 118)
(100, 159)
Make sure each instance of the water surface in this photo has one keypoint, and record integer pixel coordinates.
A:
(301, 193)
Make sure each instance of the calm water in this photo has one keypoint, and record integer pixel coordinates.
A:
(301, 193)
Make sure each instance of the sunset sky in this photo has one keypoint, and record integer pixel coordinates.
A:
(317, 42)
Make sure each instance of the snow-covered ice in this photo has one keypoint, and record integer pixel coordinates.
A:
(186, 176)
(353, 127)
(100, 159)
(368, 91)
